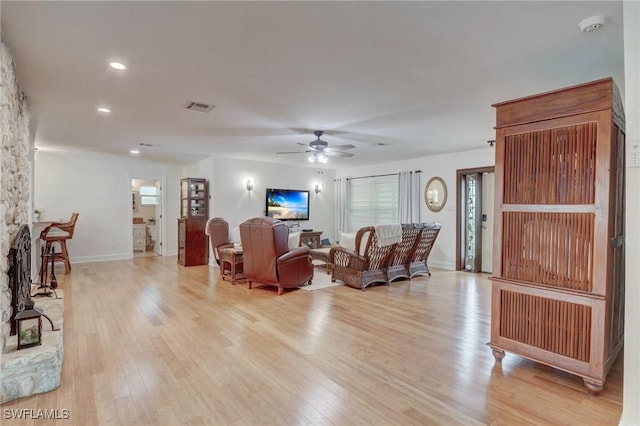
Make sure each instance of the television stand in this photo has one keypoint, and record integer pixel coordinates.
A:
(311, 239)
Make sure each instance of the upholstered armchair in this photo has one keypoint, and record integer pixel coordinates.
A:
(425, 244)
(365, 265)
(267, 258)
(400, 264)
(218, 231)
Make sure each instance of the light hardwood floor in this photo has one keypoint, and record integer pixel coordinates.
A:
(149, 342)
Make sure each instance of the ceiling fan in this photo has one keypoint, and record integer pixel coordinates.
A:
(320, 150)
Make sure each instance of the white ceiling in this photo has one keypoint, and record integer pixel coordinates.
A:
(417, 77)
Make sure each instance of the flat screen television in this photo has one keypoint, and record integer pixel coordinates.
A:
(287, 204)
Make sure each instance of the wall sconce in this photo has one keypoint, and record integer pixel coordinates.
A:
(318, 188)
(249, 184)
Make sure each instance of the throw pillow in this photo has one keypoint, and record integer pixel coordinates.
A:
(234, 235)
(348, 240)
(294, 240)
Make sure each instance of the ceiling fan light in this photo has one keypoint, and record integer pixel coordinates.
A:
(312, 158)
(322, 158)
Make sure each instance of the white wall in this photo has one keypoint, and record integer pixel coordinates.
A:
(98, 187)
(232, 201)
(445, 166)
(201, 169)
(631, 390)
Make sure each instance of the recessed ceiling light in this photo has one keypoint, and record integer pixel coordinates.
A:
(134, 152)
(104, 110)
(117, 66)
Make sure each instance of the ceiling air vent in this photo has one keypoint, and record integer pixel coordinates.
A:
(198, 106)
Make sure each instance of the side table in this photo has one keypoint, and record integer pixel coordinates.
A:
(311, 239)
(232, 256)
(322, 255)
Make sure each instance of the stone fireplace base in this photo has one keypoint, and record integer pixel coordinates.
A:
(36, 369)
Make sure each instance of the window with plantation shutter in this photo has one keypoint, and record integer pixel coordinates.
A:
(372, 200)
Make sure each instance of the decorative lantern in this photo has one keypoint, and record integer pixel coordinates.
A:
(29, 326)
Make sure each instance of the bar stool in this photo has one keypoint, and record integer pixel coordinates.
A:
(59, 232)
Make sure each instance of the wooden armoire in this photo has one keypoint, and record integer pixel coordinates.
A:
(558, 261)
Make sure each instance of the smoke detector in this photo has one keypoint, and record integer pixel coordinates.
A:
(592, 23)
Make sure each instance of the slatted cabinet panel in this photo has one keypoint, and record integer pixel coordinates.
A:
(558, 284)
(552, 166)
(554, 249)
(561, 327)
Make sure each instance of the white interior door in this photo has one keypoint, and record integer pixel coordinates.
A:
(488, 184)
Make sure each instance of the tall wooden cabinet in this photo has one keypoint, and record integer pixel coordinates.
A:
(194, 213)
(558, 261)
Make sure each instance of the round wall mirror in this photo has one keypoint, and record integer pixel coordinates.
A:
(435, 194)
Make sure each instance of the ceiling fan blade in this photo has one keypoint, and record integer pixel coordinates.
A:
(349, 146)
(294, 152)
(338, 153)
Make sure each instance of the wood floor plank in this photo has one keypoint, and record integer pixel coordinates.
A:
(149, 342)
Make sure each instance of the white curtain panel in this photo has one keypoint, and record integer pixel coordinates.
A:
(409, 197)
(341, 205)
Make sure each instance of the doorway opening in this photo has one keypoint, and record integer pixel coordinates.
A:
(146, 202)
(474, 219)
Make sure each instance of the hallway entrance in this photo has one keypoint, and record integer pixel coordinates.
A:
(146, 196)
(474, 219)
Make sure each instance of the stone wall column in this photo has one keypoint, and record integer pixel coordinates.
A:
(15, 169)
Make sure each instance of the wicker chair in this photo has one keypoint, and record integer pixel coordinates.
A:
(400, 264)
(361, 270)
(425, 244)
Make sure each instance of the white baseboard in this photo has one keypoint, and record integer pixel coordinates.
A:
(101, 258)
(442, 265)
(108, 257)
